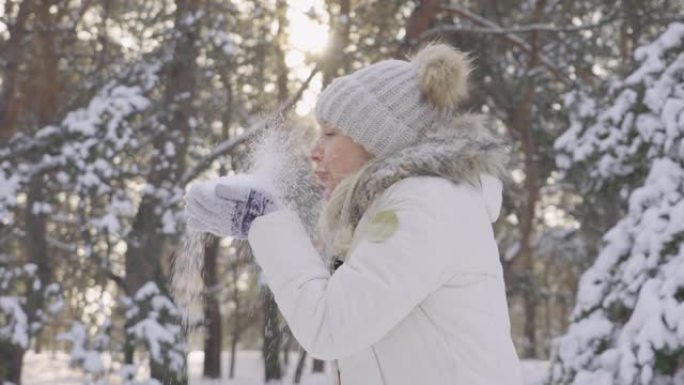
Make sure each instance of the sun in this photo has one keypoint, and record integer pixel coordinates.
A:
(307, 34)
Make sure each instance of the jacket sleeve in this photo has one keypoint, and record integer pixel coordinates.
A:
(333, 316)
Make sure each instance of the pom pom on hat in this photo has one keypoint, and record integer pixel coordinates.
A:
(443, 74)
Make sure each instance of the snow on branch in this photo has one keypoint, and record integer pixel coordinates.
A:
(154, 320)
(628, 322)
(608, 142)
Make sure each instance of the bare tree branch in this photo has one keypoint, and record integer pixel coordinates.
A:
(69, 248)
(228, 145)
(489, 25)
(493, 28)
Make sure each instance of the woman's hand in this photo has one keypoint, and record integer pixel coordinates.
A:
(225, 208)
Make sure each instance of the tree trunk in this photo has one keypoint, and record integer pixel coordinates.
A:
(530, 330)
(521, 122)
(44, 84)
(10, 105)
(212, 313)
(11, 359)
(233, 351)
(237, 325)
(144, 246)
(281, 39)
(286, 349)
(272, 334)
(272, 337)
(36, 248)
(422, 17)
(145, 253)
(548, 309)
(318, 366)
(300, 366)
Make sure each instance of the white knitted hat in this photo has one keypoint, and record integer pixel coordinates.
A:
(386, 106)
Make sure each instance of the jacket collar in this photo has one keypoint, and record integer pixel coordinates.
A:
(463, 150)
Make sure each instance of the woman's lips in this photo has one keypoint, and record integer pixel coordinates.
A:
(321, 175)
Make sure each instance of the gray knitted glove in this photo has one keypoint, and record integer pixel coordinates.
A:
(225, 208)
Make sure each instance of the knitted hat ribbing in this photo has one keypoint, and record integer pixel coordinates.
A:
(386, 106)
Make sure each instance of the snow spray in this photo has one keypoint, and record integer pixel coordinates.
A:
(279, 165)
(187, 282)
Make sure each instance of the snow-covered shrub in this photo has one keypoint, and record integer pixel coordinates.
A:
(628, 323)
(155, 323)
(129, 374)
(87, 349)
(18, 287)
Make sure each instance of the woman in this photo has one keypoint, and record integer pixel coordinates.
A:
(417, 294)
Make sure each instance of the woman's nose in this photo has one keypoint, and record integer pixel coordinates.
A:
(316, 153)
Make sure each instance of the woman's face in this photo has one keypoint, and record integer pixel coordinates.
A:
(335, 156)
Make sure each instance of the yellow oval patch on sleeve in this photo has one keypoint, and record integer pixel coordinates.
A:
(382, 226)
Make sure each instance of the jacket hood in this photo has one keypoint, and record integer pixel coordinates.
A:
(462, 150)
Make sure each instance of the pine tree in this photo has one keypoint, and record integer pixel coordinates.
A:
(627, 326)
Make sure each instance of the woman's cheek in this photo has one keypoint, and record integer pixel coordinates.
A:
(334, 163)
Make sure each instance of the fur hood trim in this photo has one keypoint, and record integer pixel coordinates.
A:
(460, 152)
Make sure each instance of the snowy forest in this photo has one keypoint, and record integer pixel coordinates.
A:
(111, 109)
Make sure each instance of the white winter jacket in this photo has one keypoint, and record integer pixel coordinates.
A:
(425, 305)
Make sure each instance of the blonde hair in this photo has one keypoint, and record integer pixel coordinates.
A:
(335, 229)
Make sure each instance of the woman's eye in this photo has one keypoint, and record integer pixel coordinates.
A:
(329, 134)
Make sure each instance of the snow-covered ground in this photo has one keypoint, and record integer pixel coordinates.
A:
(46, 369)
(535, 371)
